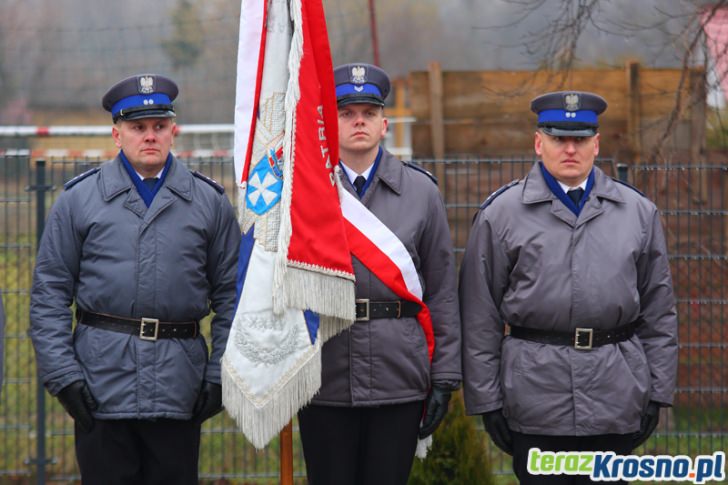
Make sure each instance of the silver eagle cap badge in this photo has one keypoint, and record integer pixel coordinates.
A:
(358, 75)
(146, 85)
(572, 102)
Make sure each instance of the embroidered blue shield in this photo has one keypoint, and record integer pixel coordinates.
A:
(265, 184)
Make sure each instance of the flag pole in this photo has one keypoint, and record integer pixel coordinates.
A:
(286, 451)
(286, 443)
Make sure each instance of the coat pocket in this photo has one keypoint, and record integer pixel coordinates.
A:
(180, 370)
(536, 386)
(108, 360)
(398, 358)
(616, 392)
(636, 361)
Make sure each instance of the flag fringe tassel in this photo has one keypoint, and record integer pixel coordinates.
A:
(262, 424)
(324, 294)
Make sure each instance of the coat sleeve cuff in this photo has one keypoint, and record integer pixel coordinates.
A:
(212, 374)
(55, 385)
(472, 410)
(446, 384)
(663, 400)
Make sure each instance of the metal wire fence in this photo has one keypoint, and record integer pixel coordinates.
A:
(36, 436)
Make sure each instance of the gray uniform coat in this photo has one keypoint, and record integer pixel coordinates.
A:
(385, 361)
(531, 262)
(105, 250)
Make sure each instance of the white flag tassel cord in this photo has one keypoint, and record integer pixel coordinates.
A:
(281, 297)
(272, 363)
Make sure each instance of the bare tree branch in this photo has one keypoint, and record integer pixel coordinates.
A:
(658, 150)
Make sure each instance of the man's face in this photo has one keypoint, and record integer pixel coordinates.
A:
(361, 128)
(145, 142)
(569, 159)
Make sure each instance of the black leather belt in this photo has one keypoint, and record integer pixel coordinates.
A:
(580, 338)
(144, 328)
(369, 310)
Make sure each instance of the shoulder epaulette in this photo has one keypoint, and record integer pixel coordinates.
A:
(420, 169)
(80, 177)
(498, 192)
(628, 185)
(210, 181)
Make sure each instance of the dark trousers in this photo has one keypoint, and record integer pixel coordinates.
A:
(139, 452)
(621, 444)
(359, 446)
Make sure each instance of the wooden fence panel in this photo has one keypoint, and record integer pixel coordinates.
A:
(487, 113)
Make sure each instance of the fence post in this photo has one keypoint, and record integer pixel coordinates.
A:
(437, 124)
(634, 111)
(623, 172)
(40, 188)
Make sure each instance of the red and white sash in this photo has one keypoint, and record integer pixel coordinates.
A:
(381, 251)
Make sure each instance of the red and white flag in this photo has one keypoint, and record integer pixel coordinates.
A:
(295, 278)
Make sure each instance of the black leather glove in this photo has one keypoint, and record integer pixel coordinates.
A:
(649, 421)
(208, 403)
(497, 427)
(76, 398)
(435, 410)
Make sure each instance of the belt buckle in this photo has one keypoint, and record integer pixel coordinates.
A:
(365, 302)
(399, 309)
(589, 333)
(142, 328)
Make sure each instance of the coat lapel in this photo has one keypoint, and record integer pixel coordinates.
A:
(604, 189)
(178, 184)
(536, 191)
(115, 181)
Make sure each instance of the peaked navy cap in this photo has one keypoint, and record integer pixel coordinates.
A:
(361, 83)
(569, 113)
(141, 96)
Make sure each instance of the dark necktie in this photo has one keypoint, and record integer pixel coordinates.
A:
(150, 182)
(575, 195)
(359, 182)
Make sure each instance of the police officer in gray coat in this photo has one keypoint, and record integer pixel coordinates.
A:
(575, 263)
(381, 389)
(144, 248)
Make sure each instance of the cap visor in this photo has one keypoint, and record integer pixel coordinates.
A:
(356, 99)
(580, 133)
(149, 113)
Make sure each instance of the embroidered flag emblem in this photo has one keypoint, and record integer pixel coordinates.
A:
(265, 184)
